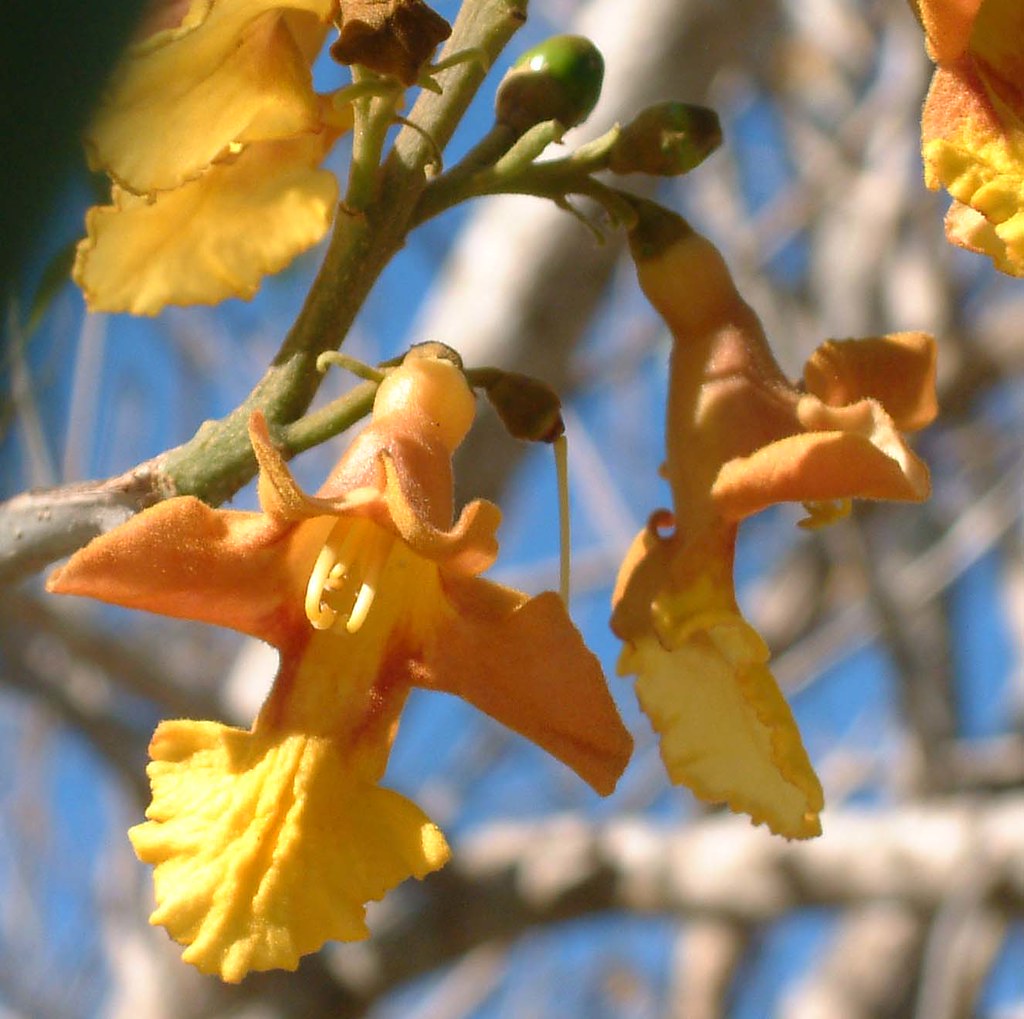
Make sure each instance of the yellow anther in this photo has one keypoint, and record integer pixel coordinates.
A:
(347, 572)
(319, 614)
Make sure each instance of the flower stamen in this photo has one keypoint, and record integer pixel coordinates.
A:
(347, 572)
(319, 614)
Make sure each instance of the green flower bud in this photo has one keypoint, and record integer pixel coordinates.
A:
(558, 80)
(666, 140)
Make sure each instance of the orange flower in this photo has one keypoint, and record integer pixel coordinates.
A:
(973, 123)
(269, 842)
(740, 438)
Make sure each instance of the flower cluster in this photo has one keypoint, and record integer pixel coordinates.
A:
(973, 122)
(741, 437)
(269, 841)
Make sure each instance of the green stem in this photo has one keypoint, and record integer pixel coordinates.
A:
(516, 172)
(323, 424)
(373, 116)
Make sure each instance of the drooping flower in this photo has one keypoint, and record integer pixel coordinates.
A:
(213, 136)
(972, 128)
(740, 437)
(269, 842)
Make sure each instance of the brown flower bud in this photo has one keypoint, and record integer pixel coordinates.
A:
(528, 408)
(392, 37)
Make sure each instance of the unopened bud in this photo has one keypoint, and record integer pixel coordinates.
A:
(666, 140)
(558, 80)
(529, 409)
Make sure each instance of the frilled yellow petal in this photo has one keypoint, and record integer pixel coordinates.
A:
(967, 228)
(726, 731)
(266, 847)
(973, 146)
(212, 238)
(897, 370)
(180, 99)
(847, 452)
(521, 661)
(180, 558)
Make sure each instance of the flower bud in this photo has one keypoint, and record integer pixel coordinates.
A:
(666, 140)
(529, 409)
(558, 80)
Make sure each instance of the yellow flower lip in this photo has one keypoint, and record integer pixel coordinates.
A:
(972, 121)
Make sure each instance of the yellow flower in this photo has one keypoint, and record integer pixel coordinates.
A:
(741, 437)
(213, 136)
(972, 127)
(269, 842)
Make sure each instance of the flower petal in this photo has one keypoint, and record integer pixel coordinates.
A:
(522, 662)
(212, 238)
(997, 39)
(645, 571)
(279, 493)
(897, 370)
(468, 547)
(265, 848)
(180, 99)
(180, 558)
(849, 452)
(726, 731)
(972, 146)
(396, 481)
(969, 229)
(948, 25)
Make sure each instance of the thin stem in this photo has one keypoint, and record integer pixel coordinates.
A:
(517, 172)
(324, 424)
(373, 116)
(561, 449)
(339, 360)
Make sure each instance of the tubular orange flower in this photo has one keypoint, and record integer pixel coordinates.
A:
(741, 437)
(973, 122)
(213, 136)
(269, 842)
